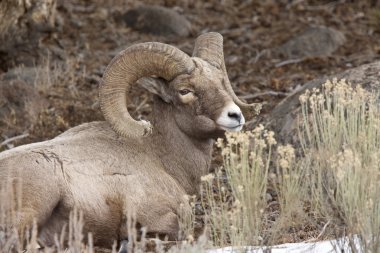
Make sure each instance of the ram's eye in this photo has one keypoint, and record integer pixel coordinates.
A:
(184, 92)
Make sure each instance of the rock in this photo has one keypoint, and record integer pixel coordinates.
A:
(157, 20)
(313, 42)
(283, 119)
(268, 197)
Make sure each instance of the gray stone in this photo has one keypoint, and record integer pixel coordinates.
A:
(313, 42)
(283, 119)
(157, 20)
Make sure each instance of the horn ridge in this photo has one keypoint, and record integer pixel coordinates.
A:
(135, 62)
(209, 47)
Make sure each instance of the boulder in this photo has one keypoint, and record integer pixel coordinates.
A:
(157, 20)
(313, 42)
(283, 119)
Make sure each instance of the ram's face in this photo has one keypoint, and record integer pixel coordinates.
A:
(201, 98)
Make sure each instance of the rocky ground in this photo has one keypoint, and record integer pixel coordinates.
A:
(49, 77)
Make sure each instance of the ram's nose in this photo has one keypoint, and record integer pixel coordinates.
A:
(235, 115)
(231, 118)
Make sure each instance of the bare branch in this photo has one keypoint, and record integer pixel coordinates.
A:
(15, 138)
(265, 93)
(287, 62)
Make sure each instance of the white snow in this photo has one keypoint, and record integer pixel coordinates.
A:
(340, 245)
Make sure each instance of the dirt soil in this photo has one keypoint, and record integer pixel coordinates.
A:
(88, 34)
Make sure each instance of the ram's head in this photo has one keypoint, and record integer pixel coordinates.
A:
(197, 88)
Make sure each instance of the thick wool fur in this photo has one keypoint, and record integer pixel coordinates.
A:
(105, 176)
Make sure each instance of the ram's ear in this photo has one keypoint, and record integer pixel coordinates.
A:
(156, 86)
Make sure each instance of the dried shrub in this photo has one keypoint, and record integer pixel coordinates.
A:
(341, 137)
(235, 205)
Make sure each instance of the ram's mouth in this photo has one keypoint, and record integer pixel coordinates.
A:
(236, 128)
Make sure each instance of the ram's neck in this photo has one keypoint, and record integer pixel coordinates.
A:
(185, 158)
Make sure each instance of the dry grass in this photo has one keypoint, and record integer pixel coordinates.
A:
(330, 182)
(26, 95)
(235, 207)
(72, 239)
(9, 238)
(342, 140)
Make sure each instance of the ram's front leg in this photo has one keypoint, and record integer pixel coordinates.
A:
(34, 203)
(32, 215)
(150, 245)
(163, 226)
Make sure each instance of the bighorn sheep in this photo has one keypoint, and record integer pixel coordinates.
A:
(105, 168)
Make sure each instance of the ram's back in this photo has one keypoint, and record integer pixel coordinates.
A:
(89, 154)
(92, 168)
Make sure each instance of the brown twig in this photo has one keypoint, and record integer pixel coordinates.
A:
(12, 139)
(320, 234)
(287, 62)
(265, 93)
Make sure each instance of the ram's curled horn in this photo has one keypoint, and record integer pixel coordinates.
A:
(137, 61)
(209, 47)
